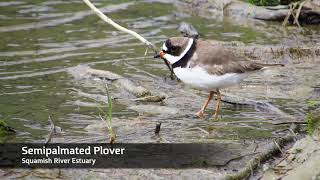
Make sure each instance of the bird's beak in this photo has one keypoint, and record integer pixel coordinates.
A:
(160, 55)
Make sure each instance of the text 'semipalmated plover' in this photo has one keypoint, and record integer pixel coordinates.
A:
(206, 67)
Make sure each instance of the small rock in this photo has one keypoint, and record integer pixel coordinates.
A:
(187, 30)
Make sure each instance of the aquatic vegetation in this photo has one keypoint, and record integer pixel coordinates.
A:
(5, 129)
(108, 118)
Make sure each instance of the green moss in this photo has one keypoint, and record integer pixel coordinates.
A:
(264, 2)
(313, 121)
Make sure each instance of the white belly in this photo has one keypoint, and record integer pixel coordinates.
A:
(198, 78)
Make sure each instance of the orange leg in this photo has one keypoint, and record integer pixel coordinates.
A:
(203, 108)
(218, 105)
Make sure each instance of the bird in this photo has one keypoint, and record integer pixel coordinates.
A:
(207, 67)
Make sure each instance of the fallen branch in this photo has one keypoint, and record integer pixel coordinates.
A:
(290, 12)
(295, 14)
(123, 29)
(296, 17)
(120, 28)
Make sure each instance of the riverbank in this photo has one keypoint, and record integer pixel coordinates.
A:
(302, 161)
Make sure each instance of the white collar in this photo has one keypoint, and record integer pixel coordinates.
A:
(173, 59)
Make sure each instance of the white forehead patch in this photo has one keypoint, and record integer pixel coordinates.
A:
(164, 47)
(173, 59)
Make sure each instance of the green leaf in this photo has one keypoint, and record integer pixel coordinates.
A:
(109, 106)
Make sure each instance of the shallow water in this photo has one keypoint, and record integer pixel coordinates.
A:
(41, 41)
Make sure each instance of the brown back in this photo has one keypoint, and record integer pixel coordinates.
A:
(218, 60)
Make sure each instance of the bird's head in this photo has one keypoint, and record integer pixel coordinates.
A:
(175, 48)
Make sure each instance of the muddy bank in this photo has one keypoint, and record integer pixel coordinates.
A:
(302, 161)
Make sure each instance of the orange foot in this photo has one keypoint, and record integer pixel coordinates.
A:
(200, 114)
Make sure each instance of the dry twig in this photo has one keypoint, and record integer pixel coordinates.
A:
(294, 13)
(290, 12)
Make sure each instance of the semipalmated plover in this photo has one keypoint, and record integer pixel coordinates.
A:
(207, 67)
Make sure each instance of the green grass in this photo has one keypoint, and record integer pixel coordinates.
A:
(109, 118)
